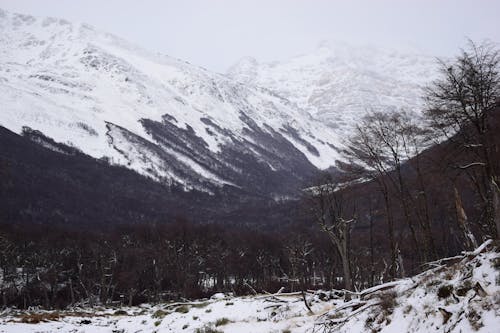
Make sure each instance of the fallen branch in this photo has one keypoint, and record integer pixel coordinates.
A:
(446, 315)
(298, 293)
(380, 287)
(479, 250)
(345, 319)
(173, 305)
(440, 262)
(274, 299)
(463, 167)
(480, 290)
(251, 288)
(356, 304)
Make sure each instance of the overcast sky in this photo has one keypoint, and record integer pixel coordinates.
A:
(216, 33)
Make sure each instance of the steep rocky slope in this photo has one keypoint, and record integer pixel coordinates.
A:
(165, 118)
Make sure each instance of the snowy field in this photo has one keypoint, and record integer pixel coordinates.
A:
(460, 294)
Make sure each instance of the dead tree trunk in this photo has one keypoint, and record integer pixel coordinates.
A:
(469, 241)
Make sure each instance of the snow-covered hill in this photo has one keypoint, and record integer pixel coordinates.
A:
(163, 117)
(459, 294)
(338, 82)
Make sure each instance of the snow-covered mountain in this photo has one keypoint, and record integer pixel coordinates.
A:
(263, 128)
(338, 82)
(163, 117)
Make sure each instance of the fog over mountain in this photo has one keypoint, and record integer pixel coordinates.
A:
(214, 34)
(339, 83)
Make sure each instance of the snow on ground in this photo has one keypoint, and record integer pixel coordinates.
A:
(460, 294)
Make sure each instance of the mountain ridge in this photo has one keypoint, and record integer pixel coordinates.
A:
(79, 86)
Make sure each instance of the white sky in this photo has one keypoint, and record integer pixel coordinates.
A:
(216, 33)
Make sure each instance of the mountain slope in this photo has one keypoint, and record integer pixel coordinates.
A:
(338, 83)
(48, 183)
(167, 119)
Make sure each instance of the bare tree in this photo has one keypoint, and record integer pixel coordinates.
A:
(299, 250)
(461, 106)
(368, 149)
(329, 211)
(413, 139)
(463, 223)
(7, 268)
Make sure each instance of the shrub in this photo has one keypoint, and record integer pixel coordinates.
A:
(474, 319)
(496, 263)
(463, 289)
(222, 322)
(445, 291)
(159, 314)
(387, 301)
(121, 313)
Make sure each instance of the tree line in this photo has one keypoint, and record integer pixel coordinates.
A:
(59, 266)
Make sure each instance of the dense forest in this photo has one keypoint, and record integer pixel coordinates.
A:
(75, 230)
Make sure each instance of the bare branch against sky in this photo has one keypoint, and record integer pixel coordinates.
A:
(216, 33)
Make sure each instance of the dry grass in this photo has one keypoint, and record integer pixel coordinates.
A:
(43, 317)
(474, 319)
(35, 318)
(387, 301)
(159, 314)
(120, 313)
(222, 322)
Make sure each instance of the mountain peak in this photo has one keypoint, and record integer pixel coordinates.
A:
(338, 82)
(244, 69)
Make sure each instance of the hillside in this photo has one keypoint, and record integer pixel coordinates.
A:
(45, 182)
